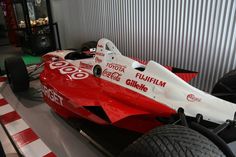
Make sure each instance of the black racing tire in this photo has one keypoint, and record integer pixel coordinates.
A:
(172, 141)
(226, 85)
(88, 45)
(97, 71)
(17, 74)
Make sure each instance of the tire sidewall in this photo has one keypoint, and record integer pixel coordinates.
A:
(17, 74)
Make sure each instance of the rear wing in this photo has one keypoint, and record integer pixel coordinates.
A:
(186, 75)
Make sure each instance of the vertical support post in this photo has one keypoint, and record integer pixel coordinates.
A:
(9, 14)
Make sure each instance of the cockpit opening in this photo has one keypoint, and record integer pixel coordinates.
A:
(79, 55)
(138, 66)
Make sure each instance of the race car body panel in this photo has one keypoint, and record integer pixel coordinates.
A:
(83, 99)
(125, 92)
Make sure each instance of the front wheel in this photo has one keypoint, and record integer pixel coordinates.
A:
(172, 141)
(17, 74)
(225, 88)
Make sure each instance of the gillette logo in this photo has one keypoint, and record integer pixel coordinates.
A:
(136, 85)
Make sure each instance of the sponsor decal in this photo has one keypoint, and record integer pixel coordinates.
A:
(99, 54)
(136, 85)
(79, 75)
(150, 79)
(86, 66)
(98, 60)
(112, 75)
(52, 95)
(117, 67)
(58, 64)
(68, 69)
(65, 68)
(193, 98)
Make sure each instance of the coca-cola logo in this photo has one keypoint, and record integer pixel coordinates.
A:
(112, 75)
(192, 98)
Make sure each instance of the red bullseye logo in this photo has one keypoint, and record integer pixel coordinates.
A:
(58, 64)
(68, 69)
(71, 70)
(79, 75)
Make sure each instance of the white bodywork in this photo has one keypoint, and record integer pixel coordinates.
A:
(155, 82)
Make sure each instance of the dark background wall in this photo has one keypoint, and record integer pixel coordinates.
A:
(2, 20)
(198, 35)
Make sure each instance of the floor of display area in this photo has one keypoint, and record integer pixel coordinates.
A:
(29, 59)
(10, 51)
(63, 137)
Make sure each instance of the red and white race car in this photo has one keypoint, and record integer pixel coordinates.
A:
(105, 87)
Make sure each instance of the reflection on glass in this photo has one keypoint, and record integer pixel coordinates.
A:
(31, 10)
(37, 13)
(19, 15)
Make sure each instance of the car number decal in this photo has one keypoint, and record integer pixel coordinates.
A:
(64, 68)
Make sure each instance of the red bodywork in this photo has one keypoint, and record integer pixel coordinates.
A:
(100, 101)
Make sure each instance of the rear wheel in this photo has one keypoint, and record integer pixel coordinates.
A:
(17, 74)
(225, 88)
(172, 141)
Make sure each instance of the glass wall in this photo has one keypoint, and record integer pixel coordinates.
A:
(3, 34)
(37, 11)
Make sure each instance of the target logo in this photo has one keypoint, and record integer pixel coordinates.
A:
(65, 68)
(79, 75)
(68, 69)
(58, 64)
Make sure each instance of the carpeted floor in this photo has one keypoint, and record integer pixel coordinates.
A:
(28, 59)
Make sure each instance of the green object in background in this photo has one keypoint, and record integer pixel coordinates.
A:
(28, 59)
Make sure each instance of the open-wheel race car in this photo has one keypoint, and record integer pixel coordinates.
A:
(107, 88)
